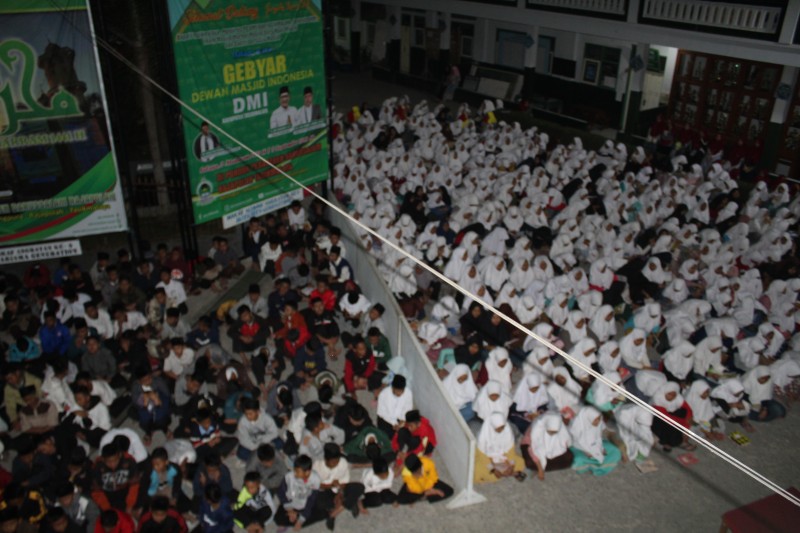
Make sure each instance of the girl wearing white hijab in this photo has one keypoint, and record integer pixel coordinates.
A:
(446, 311)
(600, 275)
(543, 268)
(530, 399)
(565, 392)
(634, 424)
(494, 272)
(545, 445)
(648, 318)
(576, 326)
(608, 356)
(758, 385)
(633, 347)
(679, 361)
(495, 454)
(703, 413)
(498, 368)
(592, 452)
(585, 352)
(677, 291)
(459, 263)
(786, 380)
(655, 273)
(522, 275)
(539, 362)
(708, 356)
(668, 401)
(603, 324)
(491, 399)
(461, 389)
(558, 309)
(527, 311)
(731, 403)
(604, 397)
(589, 302)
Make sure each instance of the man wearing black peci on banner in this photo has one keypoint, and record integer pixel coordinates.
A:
(205, 143)
(309, 111)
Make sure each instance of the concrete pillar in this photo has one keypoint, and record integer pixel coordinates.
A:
(393, 45)
(531, 55)
(355, 35)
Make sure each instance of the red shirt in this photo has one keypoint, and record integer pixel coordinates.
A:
(124, 524)
(355, 366)
(328, 298)
(684, 421)
(424, 430)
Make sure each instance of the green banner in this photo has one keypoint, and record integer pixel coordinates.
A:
(59, 177)
(255, 69)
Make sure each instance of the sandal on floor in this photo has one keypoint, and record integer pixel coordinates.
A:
(688, 446)
(520, 476)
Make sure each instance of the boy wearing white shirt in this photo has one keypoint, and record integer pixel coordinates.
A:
(254, 429)
(91, 416)
(378, 485)
(335, 485)
(393, 404)
(55, 387)
(99, 319)
(125, 320)
(180, 360)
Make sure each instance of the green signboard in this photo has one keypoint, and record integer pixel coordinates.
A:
(58, 176)
(255, 69)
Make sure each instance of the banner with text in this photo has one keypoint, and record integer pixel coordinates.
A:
(58, 176)
(255, 68)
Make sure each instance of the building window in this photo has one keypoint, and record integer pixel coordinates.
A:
(608, 58)
(510, 49)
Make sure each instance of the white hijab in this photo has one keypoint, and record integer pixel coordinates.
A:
(485, 406)
(602, 328)
(579, 352)
(648, 317)
(492, 443)
(460, 393)
(758, 392)
(660, 397)
(538, 362)
(708, 355)
(676, 291)
(587, 437)
(600, 274)
(526, 400)
(649, 381)
(729, 391)
(568, 395)
(679, 360)
(576, 332)
(546, 445)
(602, 393)
(634, 424)
(500, 374)
(784, 372)
(685, 272)
(633, 355)
(654, 272)
(702, 408)
(607, 361)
